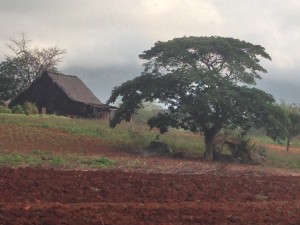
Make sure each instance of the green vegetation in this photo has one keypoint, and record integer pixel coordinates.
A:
(18, 109)
(265, 140)
(206, 83)
(290, 127)
(33, 159)
(46, 158)
(282, 159)
(147, 111)
(102, 162)
(131, 137)
(30, 108)
(4, 110)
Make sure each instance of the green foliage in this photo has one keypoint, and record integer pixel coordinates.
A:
(237, 60)
(30, 108)
(5, 110)
(10, 81)
(17, 110)
(287, 126)
(200, 80)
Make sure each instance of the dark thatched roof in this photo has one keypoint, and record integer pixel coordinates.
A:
(74, 88)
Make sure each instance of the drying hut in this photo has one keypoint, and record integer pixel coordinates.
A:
(56, 93)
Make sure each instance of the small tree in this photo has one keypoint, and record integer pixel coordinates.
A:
(11, 82)
(287, 127)
(199, 79)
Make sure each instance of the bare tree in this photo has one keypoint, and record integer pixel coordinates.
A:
(30, 62)
(25, 64)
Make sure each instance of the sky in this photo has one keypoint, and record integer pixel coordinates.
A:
(103, 38)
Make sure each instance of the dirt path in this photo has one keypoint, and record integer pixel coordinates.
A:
(282, 148)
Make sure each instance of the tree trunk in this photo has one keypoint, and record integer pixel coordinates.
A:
(288, 144)
(209, 141)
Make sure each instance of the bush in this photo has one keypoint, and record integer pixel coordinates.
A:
(17, 110)
(5, 110)
(30, 108)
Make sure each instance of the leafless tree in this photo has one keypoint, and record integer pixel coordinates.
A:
(30, 62)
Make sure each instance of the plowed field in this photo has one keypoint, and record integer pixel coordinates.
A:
(163, 191)
(46, 196)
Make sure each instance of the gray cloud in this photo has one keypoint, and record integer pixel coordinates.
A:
(101, 80)
(282, 84)
(104, 38)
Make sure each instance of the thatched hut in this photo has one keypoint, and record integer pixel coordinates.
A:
(55, 93)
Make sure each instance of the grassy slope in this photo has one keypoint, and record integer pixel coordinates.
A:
(129, 136)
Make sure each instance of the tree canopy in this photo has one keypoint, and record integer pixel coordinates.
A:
(204, 83)
(24, 64)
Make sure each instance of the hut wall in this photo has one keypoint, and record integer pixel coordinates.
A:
(48, 95)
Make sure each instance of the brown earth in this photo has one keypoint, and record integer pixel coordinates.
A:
(161, 191)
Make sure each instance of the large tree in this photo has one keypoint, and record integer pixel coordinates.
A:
(24, 64)
(204, 83)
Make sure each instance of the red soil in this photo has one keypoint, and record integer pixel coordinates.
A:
(162, 191)
(46, 196)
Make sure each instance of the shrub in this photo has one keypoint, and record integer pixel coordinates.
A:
(30, 108)
(5, 110)
(17, 110)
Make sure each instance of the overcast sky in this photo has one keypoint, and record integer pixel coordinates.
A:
(103, 38)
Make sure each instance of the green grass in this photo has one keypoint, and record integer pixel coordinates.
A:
(16, 159)
(32, 159)
(102, 162)
(289, 160)
(262, 139)
(267, 140)
(182, 141)
(45, 158)
(132, 136)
